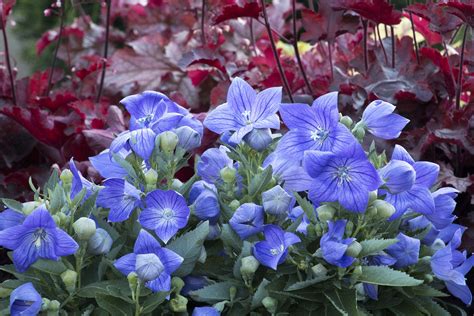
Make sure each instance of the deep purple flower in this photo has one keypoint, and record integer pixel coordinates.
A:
(166, 212)
(37, 238)
(205, 311)
(152, 263)
(418, 198)
(25, 300)
(247, 220)
(106, 165)
(378, 118)
(406, 251)
(274, 249)
(245, 111)
(451, 266)
(206, 207)
(120, 197)
(346, 177)
(288, 173)
(10, 218)
(334, 246)
(313, 127)
(211, 163)
(398, 176)
(79, 182)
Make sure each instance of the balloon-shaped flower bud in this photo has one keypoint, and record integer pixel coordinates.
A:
(228, 174)
(168, 141)
(84, 228)
(271, 304)
(259, 139)
(276, 201)
(234, 204)
(179, 304)
(198, 187)
(151, 176)
(206, 207)
(384, 209)
(248, 267)
(177, 284)
(25, 300)
(398, 175)
(69, 278)
(319, 270)
(66, 177)
(354, 249)
(100, 243)
(325, 212)
(188, 138)
(346, 121)
(148, 266)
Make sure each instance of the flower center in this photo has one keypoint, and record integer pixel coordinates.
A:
(145, 120)
(342, 174)
(168, 213)
(39, 235)
(246, 115)
(319, 134)
(277, 251)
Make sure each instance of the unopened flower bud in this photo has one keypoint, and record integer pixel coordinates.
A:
(354, 249)
(214, 232)
(276, 201)
(29, 207)
(346, 121)
(176, 184)
(54, 305)
(100, 243)
(232, 293)
(148, 266)
(66, 177)
(132, 279)
(371, 211)
(259, 138)
(151, 176)
(349, 228)
(359, 132)
(228, 174)
(271, 304)
(357, 271)
(56, 219)
(372, 196)
(168, 141)
(4, 292)
(188, 138)
(384, 209)
(428, 278)
(248, 267)
(302, 265)
(319, 270)
(179, 304)
(325, 212)
(84, 228)
(234, 204)
(177, 284)
(45, 304)
(69, 278)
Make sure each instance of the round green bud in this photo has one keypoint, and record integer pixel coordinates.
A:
(357, 271)
(176, 184)
(4, 292)
(232, 293)
(56, 219)
(84, 228)
(54, 305)
(177, 284)
(354, 249)
(349, 228)
(66, 177)
(425, 260)
(179, 304)
(29, 207)
(325, 212)
(384, 209)
(371, 211)
(168, 141)
(228, 174)
(45, 304)
(271, 304)
(151, 176)
(234, 205)
(302, 265)
(359, 132)
(346, 121)
(319, 270)
(69, 278)
(248, 267)
(372, 196)
(428, 278)
(132, 278)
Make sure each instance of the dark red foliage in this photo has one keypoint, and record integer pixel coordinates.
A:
(228, 10)
(377, 11)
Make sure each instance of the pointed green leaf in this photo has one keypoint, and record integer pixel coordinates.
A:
(307, 207)
(372, 246)
(383, 275)
(304, 284)
(258, 183)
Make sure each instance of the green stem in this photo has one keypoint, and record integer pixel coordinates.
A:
(79, 261)
(137, 299)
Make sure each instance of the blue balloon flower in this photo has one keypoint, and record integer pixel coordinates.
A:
(259, 138)
(398, 176)
(10, 218)
(245, 111)
(211, 163)
(274, 249)
(120, 197)
(418, 198)
(313, 127)
(25, 300)
(288, 173)
(451, 266)
(100, 243)
(247, 220)
(378, 118)
(444, 207)
(277, 201)
(37, 238)
(346, 177)
(79, 182)
(205, 311)
(152, 263)
(406, 251)
(188, 138)
(106, 165)
(198, 187)
(334, 246)
(206, 207)
(294, 214)
(166, 212)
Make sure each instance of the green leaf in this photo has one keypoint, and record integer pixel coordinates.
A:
(433, 308)
(115, 288)
(307, 207)
(304, 284)
(426, 290)
(260, 294)
(50, 266)
(213, 293)
(86, 208)
(153, 301)
(114, 305)
(184, 189)
(230, 239)
(57, 199)
(344, 301)
(14, 205)
(125, 165)
(383, 275)
(52, 182)
(372, 246)
(189, 246)
(246, 251)
(258, 183)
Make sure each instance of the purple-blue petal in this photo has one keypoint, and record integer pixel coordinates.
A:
(25, 300)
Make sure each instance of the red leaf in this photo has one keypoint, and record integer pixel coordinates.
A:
(202, 56)
(377, 11)
(234, 11)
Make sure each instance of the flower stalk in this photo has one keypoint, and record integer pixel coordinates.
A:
(58, 44)
(297, 51)
(106, 50)
(3, 25)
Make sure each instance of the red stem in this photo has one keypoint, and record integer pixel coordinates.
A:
(366, 53)
(461, 62)
(3, 21)
(414, 38)
(275, 52)
(106, 51)
(392, 35)
(381, 44)
(297, 51)
(56, 49)
(330, 60)
(203, 20)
